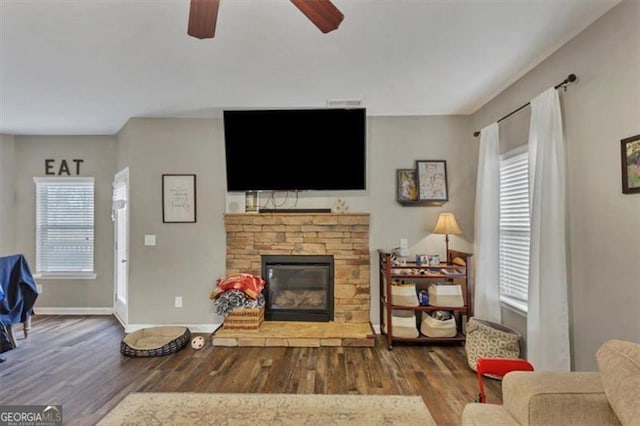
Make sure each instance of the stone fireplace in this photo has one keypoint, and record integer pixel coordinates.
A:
(343, 237)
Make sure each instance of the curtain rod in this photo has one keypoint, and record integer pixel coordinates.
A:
(570, 79)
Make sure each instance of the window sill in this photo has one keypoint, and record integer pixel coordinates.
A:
(516, 306)
(66, 275)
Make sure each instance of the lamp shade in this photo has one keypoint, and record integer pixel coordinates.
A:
(447, 224)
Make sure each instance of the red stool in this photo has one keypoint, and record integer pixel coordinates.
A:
(498, 367)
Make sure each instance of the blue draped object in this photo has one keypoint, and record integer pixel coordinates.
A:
(18, 291)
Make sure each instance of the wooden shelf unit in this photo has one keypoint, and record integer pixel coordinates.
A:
(456, 260)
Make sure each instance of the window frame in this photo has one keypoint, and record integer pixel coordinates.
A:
(81, 275)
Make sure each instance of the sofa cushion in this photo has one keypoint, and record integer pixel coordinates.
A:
(619, 365)
(552, 398)
(475, 414)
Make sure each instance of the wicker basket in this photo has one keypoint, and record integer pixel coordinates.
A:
(249, 319)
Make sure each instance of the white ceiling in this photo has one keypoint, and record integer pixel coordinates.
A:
(87, 66)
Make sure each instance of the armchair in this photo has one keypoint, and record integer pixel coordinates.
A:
(605, 397)
(18, 293)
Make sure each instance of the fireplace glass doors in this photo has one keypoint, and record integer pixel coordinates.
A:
(298, 288)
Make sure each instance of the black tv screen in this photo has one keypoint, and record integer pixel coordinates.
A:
(304, 149)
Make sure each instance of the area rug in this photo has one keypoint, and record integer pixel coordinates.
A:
(267, 409)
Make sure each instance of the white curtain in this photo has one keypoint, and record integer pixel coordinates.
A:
(548, 347)
(487, 227)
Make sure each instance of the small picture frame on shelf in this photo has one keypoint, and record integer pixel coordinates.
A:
(432, 180)
(407, 186)
(422, 260)
(434, 260)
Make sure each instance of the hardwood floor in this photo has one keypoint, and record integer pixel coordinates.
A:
(75, 361)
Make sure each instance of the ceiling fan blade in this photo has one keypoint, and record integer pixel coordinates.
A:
(322, 13)
(203, 15)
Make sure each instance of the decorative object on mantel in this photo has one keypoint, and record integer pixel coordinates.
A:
(432, 180)
(251, 202)
(447, 225)
(630, 153)
(340, 206)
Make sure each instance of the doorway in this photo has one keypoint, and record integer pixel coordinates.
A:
(120, 215)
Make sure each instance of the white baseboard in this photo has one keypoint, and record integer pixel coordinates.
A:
(376, 328)
(195, 328)
(73, 311)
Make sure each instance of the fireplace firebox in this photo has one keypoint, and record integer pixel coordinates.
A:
(298, 287)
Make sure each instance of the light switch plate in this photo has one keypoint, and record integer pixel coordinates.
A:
(149, 240)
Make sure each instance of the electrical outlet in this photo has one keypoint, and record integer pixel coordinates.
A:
(39, 288)
(178, 302)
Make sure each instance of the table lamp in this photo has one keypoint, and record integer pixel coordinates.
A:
(447, 225)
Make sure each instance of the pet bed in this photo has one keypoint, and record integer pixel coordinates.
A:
(155, 341)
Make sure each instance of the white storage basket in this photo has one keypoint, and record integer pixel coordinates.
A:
(403, 324)
(404, 295)
(446, 295)
(432, 327)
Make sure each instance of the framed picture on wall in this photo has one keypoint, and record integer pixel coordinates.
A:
(407, 186)
(630, 152)
(178, 198)
(432, 180)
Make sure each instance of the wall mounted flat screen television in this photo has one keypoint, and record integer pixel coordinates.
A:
(303, 149)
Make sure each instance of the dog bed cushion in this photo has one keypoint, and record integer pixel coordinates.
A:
(155, 341)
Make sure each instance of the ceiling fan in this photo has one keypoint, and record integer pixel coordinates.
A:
(203, 15)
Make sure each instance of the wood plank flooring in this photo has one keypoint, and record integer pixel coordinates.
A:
(75, 361)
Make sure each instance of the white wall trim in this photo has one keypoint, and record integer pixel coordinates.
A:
(195, 328)
(376, 328)
(73, 311)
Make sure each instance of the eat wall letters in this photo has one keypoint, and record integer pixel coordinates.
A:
(63, 169)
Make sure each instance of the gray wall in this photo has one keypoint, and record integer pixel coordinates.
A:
(7, 183)
(188, 257)
(99, 155)
(395, 143)
(604, 224)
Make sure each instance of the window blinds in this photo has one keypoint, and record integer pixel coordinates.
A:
(64, 224)
(515, 227)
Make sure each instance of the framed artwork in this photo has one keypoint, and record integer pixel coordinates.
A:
(178, 198)
(407, 186)
(630, 151)
(432, 180)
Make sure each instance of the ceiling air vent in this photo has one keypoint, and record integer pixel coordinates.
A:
(344, 103)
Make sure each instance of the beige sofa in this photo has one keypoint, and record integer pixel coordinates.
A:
(610, 396)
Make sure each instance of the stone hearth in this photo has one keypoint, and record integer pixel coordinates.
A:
(343, 236)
